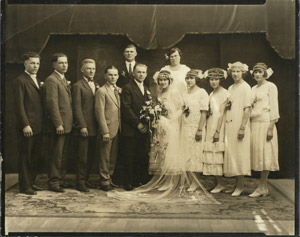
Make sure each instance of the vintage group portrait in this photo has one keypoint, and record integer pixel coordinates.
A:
(149, 118)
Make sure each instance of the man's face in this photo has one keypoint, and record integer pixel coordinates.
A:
(32, 65)
(61, 65)
(140, 73)
(112, 76)
(130, 54)
(89, 70)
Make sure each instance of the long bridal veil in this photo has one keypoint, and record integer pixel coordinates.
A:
(171, 182)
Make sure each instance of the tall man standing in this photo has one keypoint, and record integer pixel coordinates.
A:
(59, 121)
(29, 112)
(107, 108)
(134, 131)
(83, 93)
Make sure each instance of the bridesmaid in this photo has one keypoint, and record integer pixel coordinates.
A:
(237, 129)
(193, 125)
(214, 140)
(264, 144)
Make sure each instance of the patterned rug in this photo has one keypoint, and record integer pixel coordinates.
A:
(73, 203)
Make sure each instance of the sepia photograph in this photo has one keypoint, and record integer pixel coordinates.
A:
(169, 119)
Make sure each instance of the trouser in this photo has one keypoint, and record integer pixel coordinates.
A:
(58, 158)
(30, 154)
(108, 155)
(85, 157)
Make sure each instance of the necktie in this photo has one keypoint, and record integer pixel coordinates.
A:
(116, 93)
(33, 76)
(130, 69)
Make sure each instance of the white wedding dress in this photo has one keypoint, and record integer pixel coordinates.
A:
(170, 181)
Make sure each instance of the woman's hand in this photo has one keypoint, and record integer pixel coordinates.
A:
(241, 133)
(198, 136)
(269, 134)
(216, 137)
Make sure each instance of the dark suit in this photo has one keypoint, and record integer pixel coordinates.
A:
(124, 76)
(134, 147)
(29, 111)
(84, 117)
(58, 102)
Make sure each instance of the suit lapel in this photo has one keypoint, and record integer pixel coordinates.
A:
(61, 81)
(31, 81)
(112, 95)
(137, 90)
(87, 86)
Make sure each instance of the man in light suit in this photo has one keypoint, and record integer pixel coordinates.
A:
(58, 102)
(134, 130)
(29, 113)
(107, 110)
(83, 94)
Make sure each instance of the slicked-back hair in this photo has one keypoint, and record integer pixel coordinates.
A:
(140, 65)
(110, 67)
(87, 60)
(58, 55)
(28, 55)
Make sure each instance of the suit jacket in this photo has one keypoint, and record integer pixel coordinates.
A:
(28, 104)
(58, 102)
(84, 107)
(124, 76)
(107, 110)
(132, 102)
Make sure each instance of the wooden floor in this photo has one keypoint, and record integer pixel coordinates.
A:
(38, 224)
(79, 224)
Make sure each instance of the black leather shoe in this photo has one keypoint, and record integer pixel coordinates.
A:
(66, 185)
(128, 187)
(29, 192)
(107, 188)
(57, 189)
(89, 185)
(37, 188)
(82, 188)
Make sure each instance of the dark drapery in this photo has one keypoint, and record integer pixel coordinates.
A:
(149, 26)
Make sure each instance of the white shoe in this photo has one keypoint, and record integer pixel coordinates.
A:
(192, 188)
(259, 192)
(218, 189)
(237, 192)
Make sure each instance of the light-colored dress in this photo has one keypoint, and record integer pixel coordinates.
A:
(193, 150)
(264, 154)
(214, 151)
(178, 76)
(237, 152)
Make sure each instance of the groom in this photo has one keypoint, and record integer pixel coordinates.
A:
(134, 131)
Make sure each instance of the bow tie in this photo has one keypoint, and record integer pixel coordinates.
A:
(90, 80)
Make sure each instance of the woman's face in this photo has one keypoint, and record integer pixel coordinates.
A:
(259, 75)
(164, 83)
(175, 59)
(236, 74)
(214, 83)
(190, 81)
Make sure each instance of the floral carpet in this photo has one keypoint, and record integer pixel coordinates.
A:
(95, 203)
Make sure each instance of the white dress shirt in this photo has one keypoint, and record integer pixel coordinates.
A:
(140, 85)
(33, 77)
(132, 65)
(91, 84)
(62, 76)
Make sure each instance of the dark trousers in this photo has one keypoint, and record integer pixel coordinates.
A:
(58, 158)
(135, 159)
(108, 155)
(85, 157)
(30, 154)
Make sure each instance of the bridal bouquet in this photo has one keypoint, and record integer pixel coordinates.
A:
(152, 110)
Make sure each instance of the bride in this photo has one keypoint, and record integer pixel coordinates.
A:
(170, 179)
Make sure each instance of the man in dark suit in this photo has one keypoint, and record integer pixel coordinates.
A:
(108, 115)
(134, 131)
(126, 68)
(29, 113)
(58, 102)
(83, 94)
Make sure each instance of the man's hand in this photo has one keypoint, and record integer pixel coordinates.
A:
(84, 132)
(142, 128)
(60, 130)
(27, 131)
(106, 137)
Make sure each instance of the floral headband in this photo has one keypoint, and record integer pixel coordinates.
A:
(262, 67)
(218, 73)
(194, 73)
(244, 67)
(164, 74)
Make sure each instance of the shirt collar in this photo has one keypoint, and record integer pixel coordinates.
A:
(139, 83)
(87, 80)
(132, 63)
(62, 76)
(111, 86)
(31, 75)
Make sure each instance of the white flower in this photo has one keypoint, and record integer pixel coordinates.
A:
(119, 90)
(68, 83)
(225, 74)
(123, 73)
(148, 92)
(41, 83)
(200, 74)
(269, 72)
(205, 74)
